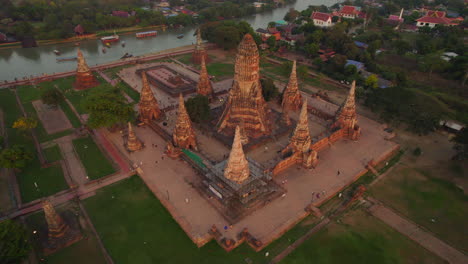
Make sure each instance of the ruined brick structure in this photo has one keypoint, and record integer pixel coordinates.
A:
(56, 226)
(84, 77)
(204, 86)
(60, 234)
(184, 135)
(299, 150)
(245, 100)
(200, 51)
(132, 143)
(344, 126)
(237, 168)
(346, 116)
(148, 108)
(292, 98)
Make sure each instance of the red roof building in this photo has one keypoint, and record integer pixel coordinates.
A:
(120, 13)
(433, 18)
(349, 12)
(322, 19)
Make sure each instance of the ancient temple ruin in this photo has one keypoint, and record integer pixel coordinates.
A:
(204, 86)
(84, 77)
(292, 98)
(239, 183)
(299, 149)
(245, 100)
(346, 116)
(132, 143)
(199, 52)
(148, 108)
(184, 135)
(60, 234)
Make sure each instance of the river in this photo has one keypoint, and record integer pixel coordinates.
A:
(19, 62)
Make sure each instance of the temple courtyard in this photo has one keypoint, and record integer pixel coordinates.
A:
(172, 180)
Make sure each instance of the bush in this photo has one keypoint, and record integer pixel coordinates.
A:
(417, 152)
(198, 108)
(52, 97)
(269, 89)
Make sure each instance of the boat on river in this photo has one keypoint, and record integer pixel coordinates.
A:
(180, 36)
(126, 55)
(146, 34)
(56, 52)
(61, 59)
(109, 39)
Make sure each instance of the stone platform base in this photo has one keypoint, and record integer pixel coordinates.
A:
(85, 80)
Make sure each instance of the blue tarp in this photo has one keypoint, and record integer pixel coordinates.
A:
(359, 65)
(361, 45)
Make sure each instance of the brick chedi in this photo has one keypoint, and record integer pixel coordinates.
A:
(200, 51)
(292, 98)
(133, 143)
(184, 135)
(84, 77)
(56, 226)
(237, 167)
(245, 101)
(204, 86)
(300, 143)
(148, 108)
(60, 234)
(346, 116)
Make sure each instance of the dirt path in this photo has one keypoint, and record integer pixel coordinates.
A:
(77, 171)
(416, 234)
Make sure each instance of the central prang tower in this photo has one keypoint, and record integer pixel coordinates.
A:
(246, 102)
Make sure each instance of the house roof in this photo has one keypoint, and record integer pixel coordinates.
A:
(359, 65)
(261, 30)
(432, 13)
(361, 45)
(321, 16)
(350, 10)
(436, 17)
(395, 18)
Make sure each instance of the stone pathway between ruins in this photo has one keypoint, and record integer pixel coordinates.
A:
(415, 233)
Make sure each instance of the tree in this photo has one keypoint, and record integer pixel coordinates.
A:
(269, 89)
(14, 157)
(401, 46)
(198, 108)
(107, 108)
(432, 62)
(461, 144)
(371, 82)
(271, 41)
(227, 37)
(350, 70)
(25, 123)
(312, 49)
(14, 244)
(51, 97)
(292, 15)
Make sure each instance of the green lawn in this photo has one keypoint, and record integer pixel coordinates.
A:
(434, 203)
(94, 161)
(53, 153)
(220, 70)
(359, 238)
(86, 250)
(49, 181)
(129, 91)
(136, 228)
(10, 108)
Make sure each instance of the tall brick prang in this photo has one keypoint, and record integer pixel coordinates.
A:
(204, 86)
(245, 101)
(346, 117)
(184, 135)
(199, 51)
(237, 167)
(292, 98)
(148, 108)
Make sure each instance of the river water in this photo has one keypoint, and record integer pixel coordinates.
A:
(19, 62)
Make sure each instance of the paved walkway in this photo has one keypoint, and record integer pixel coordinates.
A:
(76, 169)
(414, 232)
(112, 151)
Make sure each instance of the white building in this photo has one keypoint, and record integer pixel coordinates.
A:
(321, 19)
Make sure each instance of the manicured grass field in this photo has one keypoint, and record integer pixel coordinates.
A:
(129, 91)
(86, 250)
(94, 161)
(433, 203)
(9, 107)
(53, 153)
(136, 228)
(220, 70)
(359, 238)
(49, 181)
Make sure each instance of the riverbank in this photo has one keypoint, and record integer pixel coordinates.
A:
(102, 33)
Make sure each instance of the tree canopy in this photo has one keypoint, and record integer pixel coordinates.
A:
(14, 244)
(107, 107)
(15, 157)
(198, 108)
